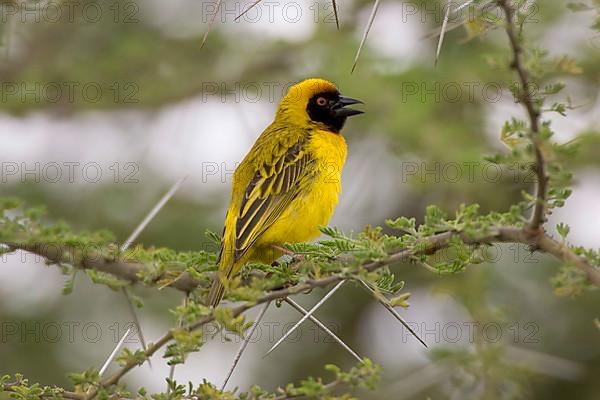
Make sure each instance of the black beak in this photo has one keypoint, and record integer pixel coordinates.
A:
(343, 101)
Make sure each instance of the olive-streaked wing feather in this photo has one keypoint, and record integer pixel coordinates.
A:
(269, 194)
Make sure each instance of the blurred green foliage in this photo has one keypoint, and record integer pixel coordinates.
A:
(142, 65)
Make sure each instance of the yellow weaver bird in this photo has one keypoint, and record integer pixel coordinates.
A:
(288, 184)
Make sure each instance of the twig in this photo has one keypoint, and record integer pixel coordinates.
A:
(537, 218)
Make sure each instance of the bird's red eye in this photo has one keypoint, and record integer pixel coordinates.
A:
(321, 101)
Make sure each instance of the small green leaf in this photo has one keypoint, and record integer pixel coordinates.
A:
(563, 230)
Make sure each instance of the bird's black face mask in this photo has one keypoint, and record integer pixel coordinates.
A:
(329, 108)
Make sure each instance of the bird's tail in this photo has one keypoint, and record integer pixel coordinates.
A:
(216, 292)
(227, 268)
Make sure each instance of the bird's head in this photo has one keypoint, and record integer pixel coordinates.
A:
(317, 102)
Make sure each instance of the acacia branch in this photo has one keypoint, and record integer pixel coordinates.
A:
(425, 246)
(131, 270)
(524, 97)
(127, 270)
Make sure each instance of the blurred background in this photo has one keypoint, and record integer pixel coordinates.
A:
(106, 104)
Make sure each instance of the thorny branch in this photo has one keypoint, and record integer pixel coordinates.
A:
(433, 244)
(120, 268)
(130, 270)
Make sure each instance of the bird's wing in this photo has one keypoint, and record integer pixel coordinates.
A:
(271, 190)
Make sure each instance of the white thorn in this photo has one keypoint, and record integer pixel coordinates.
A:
(114, 353)
(324, 327)
(442, 33)
(305, 317)
(134, 235)
(383, 301)
(153, 213)
(245, 342)
(365, 33)
(136, 321)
